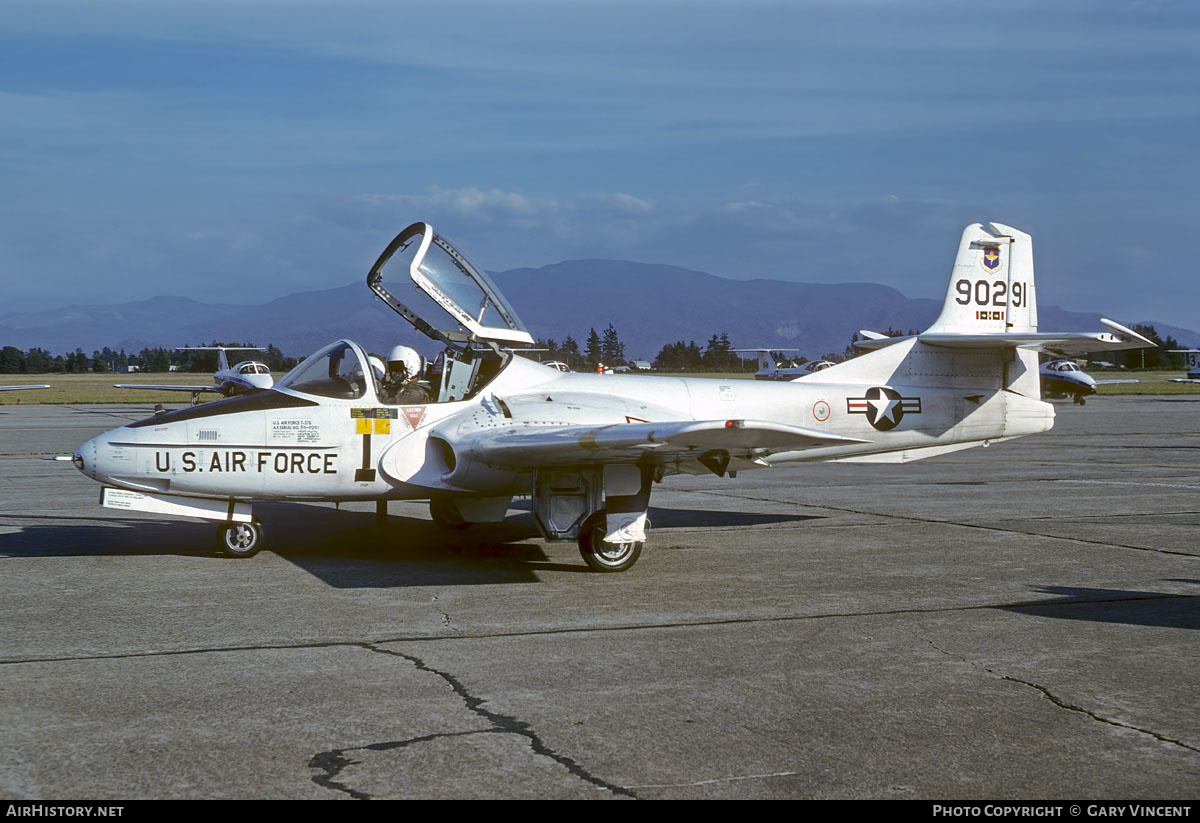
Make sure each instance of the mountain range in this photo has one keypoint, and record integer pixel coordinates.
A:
(649, 305)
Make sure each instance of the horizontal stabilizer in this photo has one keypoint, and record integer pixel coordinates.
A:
(1063, 343)
(532, 446)
(872, 340)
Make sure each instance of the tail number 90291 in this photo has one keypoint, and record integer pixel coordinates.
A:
(989, 293)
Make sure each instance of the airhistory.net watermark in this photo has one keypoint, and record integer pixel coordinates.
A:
(49, 810)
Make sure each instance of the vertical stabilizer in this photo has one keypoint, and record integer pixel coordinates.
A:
(991, 286)
(768, 359)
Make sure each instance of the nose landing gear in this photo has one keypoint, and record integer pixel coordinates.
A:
(240, 539)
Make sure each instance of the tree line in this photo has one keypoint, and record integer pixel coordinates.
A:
(606, 347)
(1157, 359)
(41, 361)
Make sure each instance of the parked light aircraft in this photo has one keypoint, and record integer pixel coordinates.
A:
(772, 365)
(1193, 366)
(24, 388)
(247, 376)
(1063, 378)
(587, 448)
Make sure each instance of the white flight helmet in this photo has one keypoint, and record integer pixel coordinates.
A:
(408, 359)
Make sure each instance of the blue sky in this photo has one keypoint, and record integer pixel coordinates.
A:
(237, 151)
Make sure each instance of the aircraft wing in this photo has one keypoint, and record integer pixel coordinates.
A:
(541, 445)
(22, 388)
(210, 387)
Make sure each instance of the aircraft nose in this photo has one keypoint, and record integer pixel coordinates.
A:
(85, 458)
(94, 457)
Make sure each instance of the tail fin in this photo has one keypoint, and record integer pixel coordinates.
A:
(991, 287)
(222, 360)
(987, 330)
(767, 358)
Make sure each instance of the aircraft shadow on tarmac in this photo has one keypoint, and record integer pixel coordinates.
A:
(351, 551)
(1135, 608)
(346, 549)
(80, 536)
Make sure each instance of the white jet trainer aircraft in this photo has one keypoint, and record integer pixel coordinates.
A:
(1193, 366)
(243, 378)
(587, 448)
(1063, 378)
(772, 365)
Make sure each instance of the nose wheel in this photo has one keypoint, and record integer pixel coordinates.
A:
(602, 556)
(240, 539)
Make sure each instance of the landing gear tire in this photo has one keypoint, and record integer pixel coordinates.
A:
(1079, 399)
(446, 515)
(602, 556)
(240, 539)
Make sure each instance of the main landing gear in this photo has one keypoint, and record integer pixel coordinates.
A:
(600, 555)
(446, 515)
(240, 539)
(576, 503)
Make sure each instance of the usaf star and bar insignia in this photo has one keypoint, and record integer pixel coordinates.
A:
(884, 407)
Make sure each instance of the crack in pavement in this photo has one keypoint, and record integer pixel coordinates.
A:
(711, 781)
(1062, 704)
(127, 415)
(1057, 701)
(958, 523)
(623, 627)
(332, 762)
(446, 621)
(1118, 515)
(1136, 483)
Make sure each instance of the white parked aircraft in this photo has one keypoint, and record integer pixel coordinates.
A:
(1193, 366)
(244, 378)
(23, 388)
(772, 365)
(588, 448)
(1063, 378)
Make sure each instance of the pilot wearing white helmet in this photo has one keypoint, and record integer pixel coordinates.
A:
(404, 368)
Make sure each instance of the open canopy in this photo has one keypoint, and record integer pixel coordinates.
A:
(420, 256)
